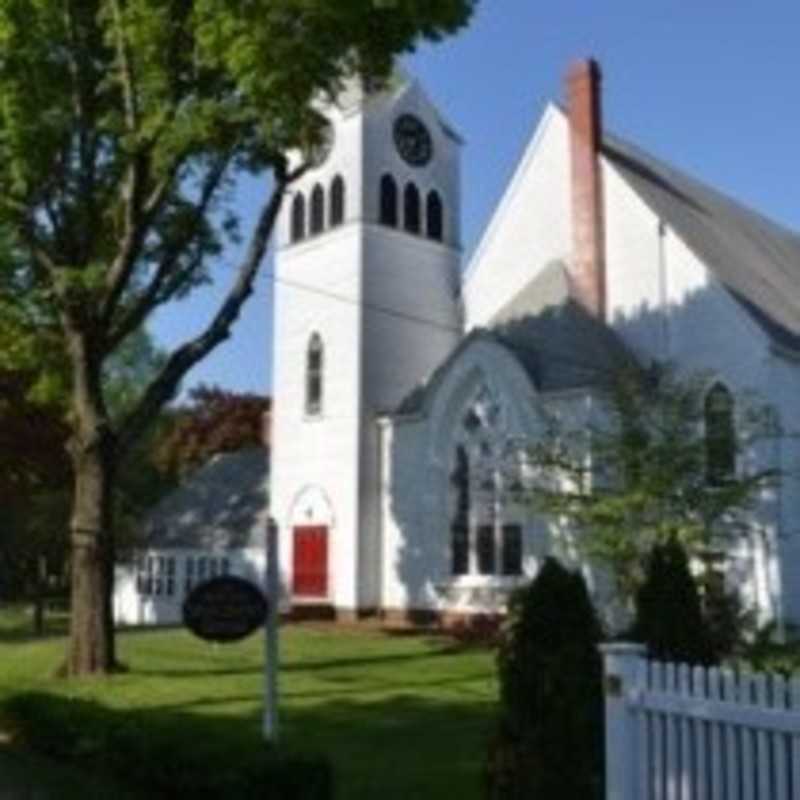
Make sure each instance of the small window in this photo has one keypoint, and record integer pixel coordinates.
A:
(512, 549)
(486, 550)
(202, 569)
(298, 218)
(411, 208)
(170, 576)
(317, 210)
(388, 201)
(189, 582)
(225, 567)
(434, 213)
(213, 567)
(720, 435)
(460, 549)
(337, 201)
(314, 367)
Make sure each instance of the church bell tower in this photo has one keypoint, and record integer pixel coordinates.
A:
(366, 306)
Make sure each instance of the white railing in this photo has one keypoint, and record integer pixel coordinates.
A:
(676, 732)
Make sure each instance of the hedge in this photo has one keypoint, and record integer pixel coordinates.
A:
(166, 754)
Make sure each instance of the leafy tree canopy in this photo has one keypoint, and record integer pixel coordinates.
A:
(639, 476)
(123, 124)
(214, 421)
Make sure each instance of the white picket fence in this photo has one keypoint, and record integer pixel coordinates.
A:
(675, 732)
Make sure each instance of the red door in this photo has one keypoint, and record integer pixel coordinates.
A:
(311, 561)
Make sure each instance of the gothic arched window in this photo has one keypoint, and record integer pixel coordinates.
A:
(485, 532)
(337, 201)
(317, 210)
(388, 211)
(720, 434)
(435, 216)
(314, 375)
(298, 231)
(411, 209)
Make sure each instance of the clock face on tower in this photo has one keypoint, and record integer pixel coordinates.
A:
(413, 140)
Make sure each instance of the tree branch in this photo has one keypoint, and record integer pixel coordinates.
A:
(150, 297)
(164, 385)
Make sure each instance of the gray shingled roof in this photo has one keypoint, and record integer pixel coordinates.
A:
(757, 260)
(553, 338)
(222, 505)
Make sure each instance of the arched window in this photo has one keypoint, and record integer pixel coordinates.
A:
(411, 208)
(720, 434)
(485, 529)
(317, 210)
(337, 201)
(388, 201)
(314, 368)
(459, 530)
(434, 214)
(298, 217)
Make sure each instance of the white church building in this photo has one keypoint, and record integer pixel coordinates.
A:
(399, 370)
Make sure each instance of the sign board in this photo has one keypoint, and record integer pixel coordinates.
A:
(224, 609)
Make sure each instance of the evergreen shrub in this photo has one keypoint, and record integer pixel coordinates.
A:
(165, 755)
(550, 739)
(669, 616)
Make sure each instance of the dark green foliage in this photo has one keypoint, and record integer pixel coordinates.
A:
(152, 752)
(669, 619)
(550, 743)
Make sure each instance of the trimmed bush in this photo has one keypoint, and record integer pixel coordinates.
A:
(165, 754)
(550, 739)
(669, 617)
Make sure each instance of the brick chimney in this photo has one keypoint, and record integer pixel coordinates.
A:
(588, 275)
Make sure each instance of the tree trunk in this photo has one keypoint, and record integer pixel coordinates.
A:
(91, 643)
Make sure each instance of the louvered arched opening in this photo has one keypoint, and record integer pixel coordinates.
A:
(435, 216)
(298, 224)
(337, 201)
(411, 208)
(317, 224)
(388, 204)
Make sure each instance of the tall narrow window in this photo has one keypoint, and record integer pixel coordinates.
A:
(314, 366)
(459, 530)
(317, 210)
(337, 201)
(298, 217)
(388, 201)
(434, 214)
(411, 208)
(512, 549)
(720, 435)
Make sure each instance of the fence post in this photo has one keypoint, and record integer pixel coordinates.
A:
(621, 664)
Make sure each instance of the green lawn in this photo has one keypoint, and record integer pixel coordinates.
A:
(400, 716)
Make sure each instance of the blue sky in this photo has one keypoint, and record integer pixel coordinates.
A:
(710, 86)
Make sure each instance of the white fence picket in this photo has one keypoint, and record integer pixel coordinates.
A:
(686, 724)
(780, 773)
(716, 738)
(762, 739)
(700, 734)
(656, 685)
(672, 766)
(730, 692)
(747, 741)
(795, 699)
(700, 694)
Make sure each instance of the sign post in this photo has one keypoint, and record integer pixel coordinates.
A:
(271, 635)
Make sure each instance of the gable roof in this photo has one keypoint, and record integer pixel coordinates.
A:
(222, 505)
(757, 260)
(558, 344)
